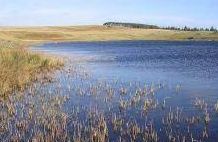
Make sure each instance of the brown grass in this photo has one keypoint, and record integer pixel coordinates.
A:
(98, 33)
(18, 66)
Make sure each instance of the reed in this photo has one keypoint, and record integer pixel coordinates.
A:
(19, 67)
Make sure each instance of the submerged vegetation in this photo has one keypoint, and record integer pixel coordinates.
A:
(74, 107)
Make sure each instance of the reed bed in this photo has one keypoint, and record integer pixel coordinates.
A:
(19, 67)
(71, 105)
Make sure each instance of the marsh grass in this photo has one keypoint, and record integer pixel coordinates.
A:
(18, 67)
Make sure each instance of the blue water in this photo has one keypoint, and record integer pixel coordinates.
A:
(191, 64)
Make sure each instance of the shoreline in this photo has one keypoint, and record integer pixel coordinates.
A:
(78, 41)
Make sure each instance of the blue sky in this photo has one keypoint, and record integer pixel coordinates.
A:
(201, 13)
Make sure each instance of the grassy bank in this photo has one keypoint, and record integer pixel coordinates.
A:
(99, 33)
(18, 66)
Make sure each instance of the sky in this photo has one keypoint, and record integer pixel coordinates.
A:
(193, 13)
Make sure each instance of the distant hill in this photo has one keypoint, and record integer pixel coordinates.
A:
(146, 26)
(130, 25)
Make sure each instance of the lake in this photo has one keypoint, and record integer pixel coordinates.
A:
(184, 75)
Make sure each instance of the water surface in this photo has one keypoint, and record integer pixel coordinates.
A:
(191, 65)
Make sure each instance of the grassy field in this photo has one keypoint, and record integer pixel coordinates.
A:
(98, 33)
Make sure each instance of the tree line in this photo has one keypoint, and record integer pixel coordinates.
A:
(130, 25)
(146, 26)
(186, 28)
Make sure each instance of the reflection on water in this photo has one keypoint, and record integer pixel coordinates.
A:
(182, 75)
(194, 64)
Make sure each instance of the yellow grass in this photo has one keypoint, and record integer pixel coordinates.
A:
(19, 67)
(98, 33)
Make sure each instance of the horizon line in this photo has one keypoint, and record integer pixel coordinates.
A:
(99, 24)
